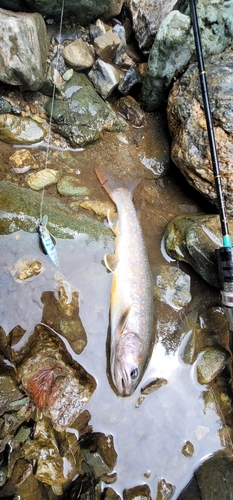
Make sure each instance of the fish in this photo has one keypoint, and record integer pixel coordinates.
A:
(131, 297)
(46, 241)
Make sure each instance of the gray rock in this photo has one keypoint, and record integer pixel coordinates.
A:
(24, 49)
(210, 363)
(19, 130)
(83, 11)
(114, 9)
(190, 146)
(131, 78)
(147, 17)
(104, 77)
(106, 45)
(174, 45)
(5, 106)
(69, 185)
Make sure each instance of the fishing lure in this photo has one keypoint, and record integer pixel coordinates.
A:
(46, 241)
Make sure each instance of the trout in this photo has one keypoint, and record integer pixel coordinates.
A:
(131, 302)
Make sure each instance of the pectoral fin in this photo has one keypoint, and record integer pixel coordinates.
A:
(122, 321)
(113, 220)
(111, 261)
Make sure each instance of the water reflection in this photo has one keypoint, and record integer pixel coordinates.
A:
(149, 431)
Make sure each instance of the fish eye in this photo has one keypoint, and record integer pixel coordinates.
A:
(134, 373)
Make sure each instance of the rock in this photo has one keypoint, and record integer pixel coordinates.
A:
(85, 487)
(106, 45)
(79, 54)
(114, 9)
(43, 178)
(165, 490)
(141, 492)
(69, 185)
(110, 494)
(153, 386)
(104, 77)
(58, 62)
(82, 116)
(146, 18)
(22, 160)
(210, 363)
(5, 106)
(99, 207)
(131, 111)
(23, 60)
(131, 78)
(81, 11)
(190, 146)
(172, 38)
(20, 209)
(172, 287)
(59, 386)
(99, 452)
(188, 449)
(18, 130)
(23, 270)
(193, 238)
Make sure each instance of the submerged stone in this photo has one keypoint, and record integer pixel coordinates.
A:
(141, 492)
(58, 386)
(210, 363)
(99, 452)
(172, 287)
(165, 490)
(70, 185)
(43, 178)
(188, 449)
(82, 116)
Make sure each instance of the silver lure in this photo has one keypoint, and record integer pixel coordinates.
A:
(46, 241)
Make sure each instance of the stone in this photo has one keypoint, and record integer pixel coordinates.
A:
(141, 492)
(19, 130)
(81, 11)
(165, 490)
(114, 9)
(5, 106)
(210, 363)
(146, 18)
(106, 45)
(104, 77)
(172, 287)
(99, 452)
(70, 185)
(23, 58)
(22, 160)
(131, 111)
(82, 116)
(130, 79)
(79, 55)
(188, 449)
(186, 119)
(43, 178)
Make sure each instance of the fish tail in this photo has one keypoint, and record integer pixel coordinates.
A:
(112, 183)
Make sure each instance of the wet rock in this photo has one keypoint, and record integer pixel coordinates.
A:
(99, 452)
(153, 386)
(172, 287)
(210, 363)
(106, 45)
(18, 130)
(21, 471)
(188, 449)
(131, 78)
(165, 490)
(141, 492)
(5, 106)
(43, 178)
(22, 160)
(104, 77)
(20, 208)
(44, 450)
(131, 111)
(23, 270)
(212, 480)
(82, 116)
(69, 185)
(190, 146)
(110, 494)
(59, 386)
(79, 54)
(24, 54)
(100, 208)
(85, 487)
(146, 18)
(62, 315)
(193, 239)
(83, 11)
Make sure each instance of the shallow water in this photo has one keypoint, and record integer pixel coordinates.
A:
(150, 432)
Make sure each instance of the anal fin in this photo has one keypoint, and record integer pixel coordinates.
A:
(113, 220)
(111, 261)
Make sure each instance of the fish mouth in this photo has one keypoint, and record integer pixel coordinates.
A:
(121, 379)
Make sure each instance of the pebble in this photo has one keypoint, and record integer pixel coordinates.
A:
(99, 207)
(153, 386)
(22, 161)
(188, 449)
(210, 362)
(79, 55)
(43, 178)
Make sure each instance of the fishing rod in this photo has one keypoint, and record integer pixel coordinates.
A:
(224, 254)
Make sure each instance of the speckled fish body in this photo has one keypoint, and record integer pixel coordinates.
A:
(131, 305)
(47, 242)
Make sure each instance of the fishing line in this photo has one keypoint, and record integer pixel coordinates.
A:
(52, 106)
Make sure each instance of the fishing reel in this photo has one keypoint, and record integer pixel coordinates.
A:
(225, 266)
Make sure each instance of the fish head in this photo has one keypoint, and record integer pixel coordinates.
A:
(127, 363)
